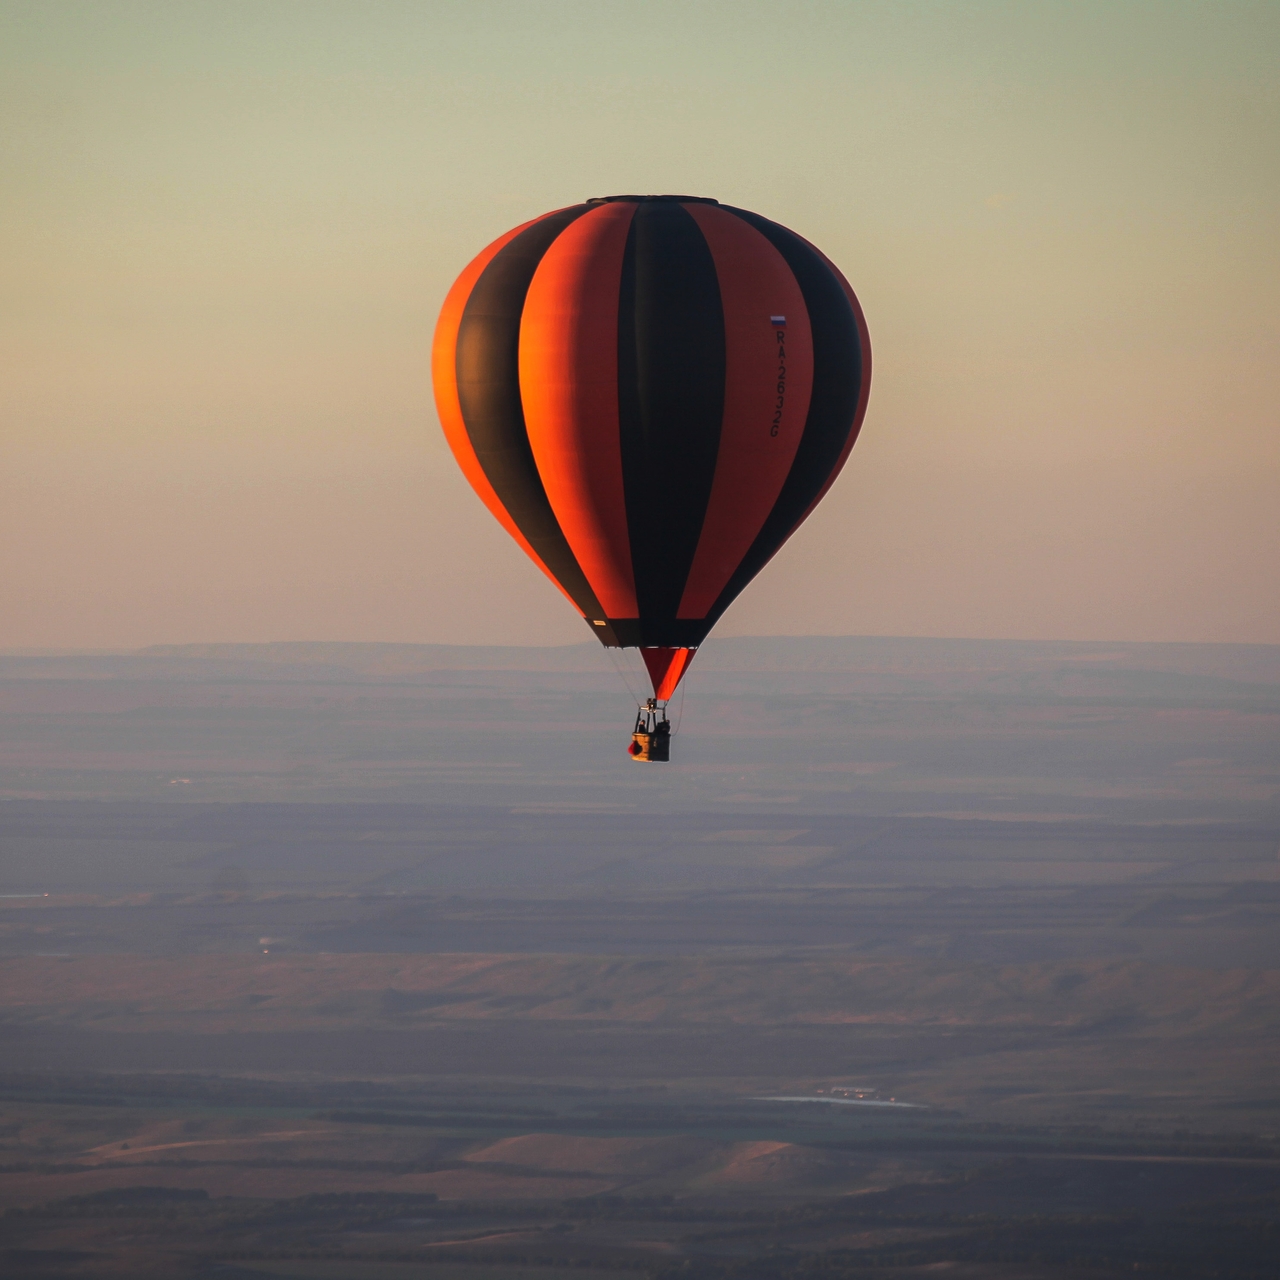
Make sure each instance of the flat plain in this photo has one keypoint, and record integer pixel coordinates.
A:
(359, 960)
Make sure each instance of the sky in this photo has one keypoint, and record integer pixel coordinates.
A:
(228, 227)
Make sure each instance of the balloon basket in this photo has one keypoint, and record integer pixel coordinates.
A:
(651, 737)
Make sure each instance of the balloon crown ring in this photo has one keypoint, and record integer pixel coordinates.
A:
(650, 199)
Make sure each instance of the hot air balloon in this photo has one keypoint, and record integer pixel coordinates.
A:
(651, 394)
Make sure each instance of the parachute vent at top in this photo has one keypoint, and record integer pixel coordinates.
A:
(651, 393)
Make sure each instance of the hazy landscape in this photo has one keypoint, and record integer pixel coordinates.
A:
(332, 956)
(364, 960)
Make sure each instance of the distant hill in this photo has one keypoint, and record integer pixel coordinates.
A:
(849, 655)
(869, 724)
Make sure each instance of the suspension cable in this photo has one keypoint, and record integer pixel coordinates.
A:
(622, 672)
(680, 711)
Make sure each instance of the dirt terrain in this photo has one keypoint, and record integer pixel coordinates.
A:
(365, 961)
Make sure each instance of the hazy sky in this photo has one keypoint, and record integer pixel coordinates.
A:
(228, 228)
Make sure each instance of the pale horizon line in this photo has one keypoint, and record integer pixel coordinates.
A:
(160, 648)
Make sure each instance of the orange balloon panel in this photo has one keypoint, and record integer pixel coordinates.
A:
(666, 669)
(569, 390)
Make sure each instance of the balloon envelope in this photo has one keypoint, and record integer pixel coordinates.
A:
(651, 393)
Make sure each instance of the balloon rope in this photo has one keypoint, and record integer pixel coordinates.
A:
(680, 713)
(622, 671)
